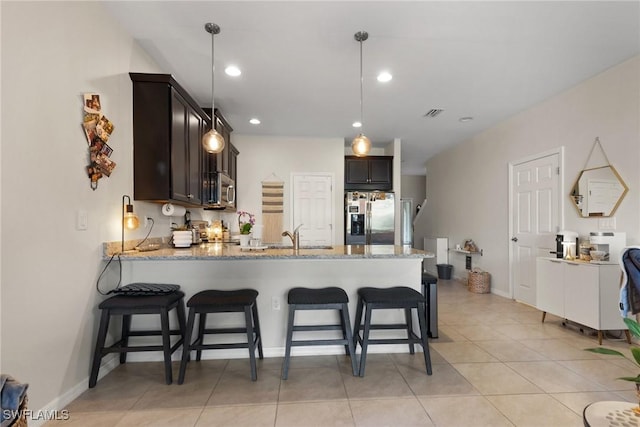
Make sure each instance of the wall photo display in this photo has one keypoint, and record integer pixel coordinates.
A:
(97, 129)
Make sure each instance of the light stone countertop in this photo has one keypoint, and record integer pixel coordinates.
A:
(228, 252)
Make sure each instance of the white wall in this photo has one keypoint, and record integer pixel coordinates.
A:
(467, 186)
(262, 156)
(52, 53)
(1, 370)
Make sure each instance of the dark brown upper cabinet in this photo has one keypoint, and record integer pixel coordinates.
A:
(168, 157)
(368, 173)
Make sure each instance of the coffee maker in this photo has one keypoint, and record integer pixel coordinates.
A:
(566, 244)
(610, 242)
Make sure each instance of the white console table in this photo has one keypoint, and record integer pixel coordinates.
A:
(582, 292)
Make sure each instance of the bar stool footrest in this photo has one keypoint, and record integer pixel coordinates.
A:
(317, 328)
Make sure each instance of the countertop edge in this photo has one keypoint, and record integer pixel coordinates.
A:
(213, 253)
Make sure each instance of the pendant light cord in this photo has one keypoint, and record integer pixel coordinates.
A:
(213, 69)
(361, 96)
(213, 29)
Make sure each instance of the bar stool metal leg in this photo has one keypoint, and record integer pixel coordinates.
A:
(357, 326)
(124, 336)
(100, 341)
(365, 339)
(186, 346)
(424, 336)
(256, 329)
(409, 320)
(346, 333)
(166, 345)
(251, 343)
(287, 351)
(202, 320)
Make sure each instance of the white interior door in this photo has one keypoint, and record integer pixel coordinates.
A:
(313, 207)
(535, 220)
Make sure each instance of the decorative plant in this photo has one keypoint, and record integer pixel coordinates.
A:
(245, 226)
(634, 328)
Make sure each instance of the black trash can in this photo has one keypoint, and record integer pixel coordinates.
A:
(444, 271)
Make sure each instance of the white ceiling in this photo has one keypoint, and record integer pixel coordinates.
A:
(301, 70)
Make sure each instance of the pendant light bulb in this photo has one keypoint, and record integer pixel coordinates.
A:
(361, 145)
(131, 220)
(212, 141)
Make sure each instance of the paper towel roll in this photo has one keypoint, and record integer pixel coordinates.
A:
(171, 210)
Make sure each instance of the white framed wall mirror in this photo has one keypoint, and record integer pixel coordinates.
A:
(598, 192)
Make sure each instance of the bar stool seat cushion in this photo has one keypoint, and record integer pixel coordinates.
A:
(221, 299)
(330, 295)
(428, 279)
(394, 295)
(141, 301)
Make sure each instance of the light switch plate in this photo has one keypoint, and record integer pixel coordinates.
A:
(82, 220)
(607, 223)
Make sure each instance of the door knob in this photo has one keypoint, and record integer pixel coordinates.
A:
(514, 239)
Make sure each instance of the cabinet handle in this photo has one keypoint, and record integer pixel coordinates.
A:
(189, 196)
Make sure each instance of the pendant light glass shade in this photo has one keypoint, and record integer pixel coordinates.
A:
(361, 145)
(212, 141)
(131, 221)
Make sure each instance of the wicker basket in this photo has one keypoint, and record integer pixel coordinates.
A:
(479, 282)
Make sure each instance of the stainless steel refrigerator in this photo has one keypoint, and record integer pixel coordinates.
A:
(369, 218)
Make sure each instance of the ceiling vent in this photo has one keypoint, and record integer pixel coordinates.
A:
(433, 112)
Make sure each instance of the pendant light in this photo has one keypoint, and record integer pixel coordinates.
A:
(212, 141)
(361, 144)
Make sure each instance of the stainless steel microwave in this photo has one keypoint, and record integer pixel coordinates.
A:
(221, 192)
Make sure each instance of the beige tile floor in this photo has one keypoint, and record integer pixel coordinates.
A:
(494, 364)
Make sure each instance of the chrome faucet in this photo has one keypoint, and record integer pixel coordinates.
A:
(295, 237)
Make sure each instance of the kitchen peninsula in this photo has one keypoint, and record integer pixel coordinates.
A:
(272, 272)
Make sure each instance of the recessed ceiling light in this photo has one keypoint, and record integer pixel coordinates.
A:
(233, 71)
(357, 125)
(384, 77)
(254, 121)
(465, 119)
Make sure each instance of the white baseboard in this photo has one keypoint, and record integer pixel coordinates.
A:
(73, 393)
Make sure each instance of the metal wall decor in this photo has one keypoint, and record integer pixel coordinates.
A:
(97, 129)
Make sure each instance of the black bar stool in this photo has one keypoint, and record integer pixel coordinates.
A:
(391, 298)
(139, 304)
(216, 301)
(331, 298)
(430, 293)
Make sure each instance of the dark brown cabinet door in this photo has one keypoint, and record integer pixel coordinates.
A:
(179, 149)
(186, 151)
(368, 173)
(356, 171)
(380, 172)
(195, 131)
(168, 125)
